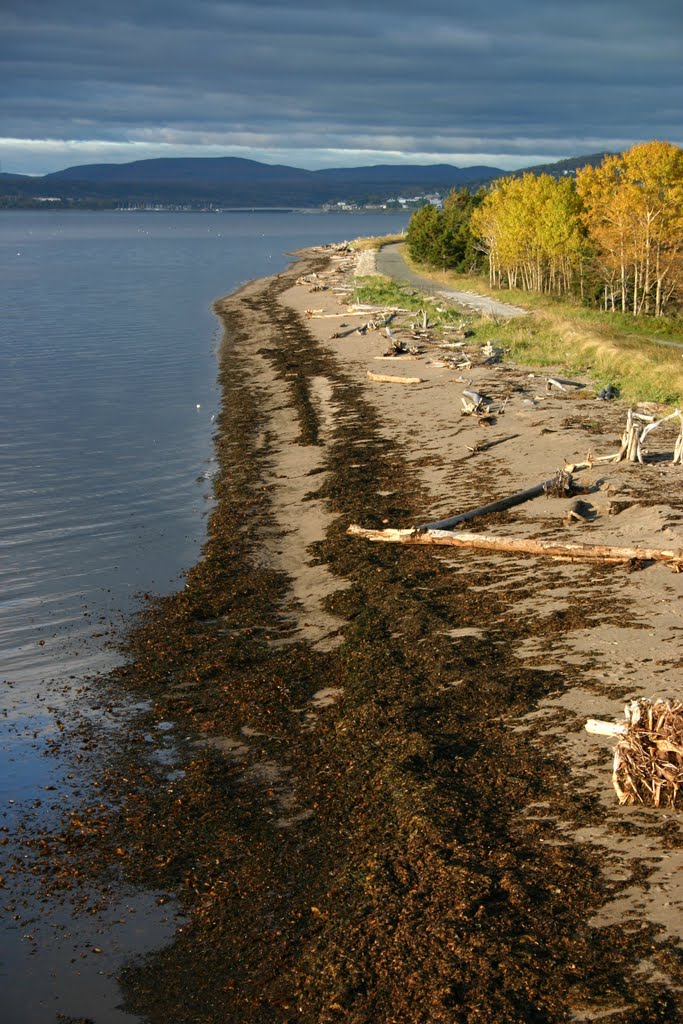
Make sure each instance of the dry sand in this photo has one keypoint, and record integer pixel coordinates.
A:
(636, 653)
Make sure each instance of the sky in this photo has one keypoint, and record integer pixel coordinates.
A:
(314, 83)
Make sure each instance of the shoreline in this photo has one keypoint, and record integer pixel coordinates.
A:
(389, 809)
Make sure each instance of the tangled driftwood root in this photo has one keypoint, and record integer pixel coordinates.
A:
(648, 759)
(638, 426)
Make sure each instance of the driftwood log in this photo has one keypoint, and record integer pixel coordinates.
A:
(387, 378)
(519, 545)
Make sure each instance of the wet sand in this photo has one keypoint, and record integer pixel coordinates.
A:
(388, 810)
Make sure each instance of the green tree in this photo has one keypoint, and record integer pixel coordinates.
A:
(443, 238)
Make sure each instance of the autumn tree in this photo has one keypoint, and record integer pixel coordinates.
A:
(531, 231)
(633, 209)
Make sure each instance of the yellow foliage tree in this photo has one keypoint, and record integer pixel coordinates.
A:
(531, 230)
(633, 210)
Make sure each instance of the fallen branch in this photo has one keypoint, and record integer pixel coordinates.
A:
(483, 446)
(559, 485)
(518, 545)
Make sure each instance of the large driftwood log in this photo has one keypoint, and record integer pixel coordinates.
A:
(559, 485)
(519, 545)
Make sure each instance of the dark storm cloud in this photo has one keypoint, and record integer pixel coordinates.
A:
(403, 78)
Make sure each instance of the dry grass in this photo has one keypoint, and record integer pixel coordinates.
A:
(648, 761)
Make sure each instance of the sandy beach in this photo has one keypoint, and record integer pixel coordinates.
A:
(391, 811)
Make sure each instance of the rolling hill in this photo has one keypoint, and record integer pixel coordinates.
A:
(235, 182)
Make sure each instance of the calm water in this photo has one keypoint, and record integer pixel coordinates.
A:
(107, 389)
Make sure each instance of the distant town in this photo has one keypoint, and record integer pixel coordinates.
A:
(390, 205)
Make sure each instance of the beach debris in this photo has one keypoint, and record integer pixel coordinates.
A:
(648, 757)
(597, 727)
(461, 332)
(638, 426)
(618, 505)
(580, 512)
(421, 322)
(608, 393)
(559, 486)
(563, 385)
(491, 353)
(472, 401)
(519, 545)
(386, 378)
(397, 346)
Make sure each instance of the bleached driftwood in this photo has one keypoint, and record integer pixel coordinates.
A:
(519, 545)
(491, 354)
(386, 378)
(599, 728)
(421, 323)
(317, 314)
(678, 447)
(369, 325)
(472, 401)
(638, 426)
(361, 307)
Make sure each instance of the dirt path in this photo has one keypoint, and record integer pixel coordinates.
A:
(391, 263)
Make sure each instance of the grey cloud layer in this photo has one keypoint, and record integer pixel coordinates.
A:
(437, 77)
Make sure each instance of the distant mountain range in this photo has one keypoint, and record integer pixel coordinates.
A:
(235, 182)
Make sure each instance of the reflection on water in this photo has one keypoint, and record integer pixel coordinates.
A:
(107, 393)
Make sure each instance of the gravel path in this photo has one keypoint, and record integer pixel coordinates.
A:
(391, 263)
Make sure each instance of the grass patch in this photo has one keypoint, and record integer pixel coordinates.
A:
(378, 290)
(376, 241)
(610, 348)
